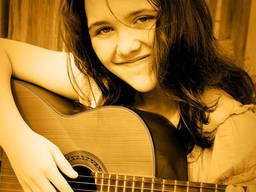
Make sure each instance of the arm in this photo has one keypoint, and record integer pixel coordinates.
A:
(45, 68)
(37, 65)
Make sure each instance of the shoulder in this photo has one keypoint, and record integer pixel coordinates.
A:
(232, 158)
(227, 109)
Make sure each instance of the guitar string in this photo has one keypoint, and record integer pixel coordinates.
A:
(221, 187)
(77, 189)
(20, 190)
(147, 182)
(130, 187)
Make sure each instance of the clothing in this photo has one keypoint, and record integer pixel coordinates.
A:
(232, 158)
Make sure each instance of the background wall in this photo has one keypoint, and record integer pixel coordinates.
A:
(32, 21)
(37, 22)
(4, 12)
(250, 45)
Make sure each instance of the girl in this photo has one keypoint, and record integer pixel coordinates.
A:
(154, 55)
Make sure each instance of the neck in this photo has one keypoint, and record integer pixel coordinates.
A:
(158, 101)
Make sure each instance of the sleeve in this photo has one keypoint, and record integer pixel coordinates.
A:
(232, 158)
(234, 152)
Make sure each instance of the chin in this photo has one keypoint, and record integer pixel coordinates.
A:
(144, 89)
(145, 86)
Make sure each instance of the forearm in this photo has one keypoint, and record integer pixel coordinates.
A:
(11, 123)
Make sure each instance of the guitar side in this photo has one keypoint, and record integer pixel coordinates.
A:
(113, 139)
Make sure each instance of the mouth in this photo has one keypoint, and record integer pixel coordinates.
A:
(134, 60)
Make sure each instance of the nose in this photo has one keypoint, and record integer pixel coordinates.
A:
(127, 44)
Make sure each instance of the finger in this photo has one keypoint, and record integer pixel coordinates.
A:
(31, 187)
(234, 188)
(26, 187)
(44, 185)
(251, 188)
(63, 163)
(58, 180)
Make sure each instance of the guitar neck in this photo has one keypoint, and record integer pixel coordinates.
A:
(113, 182)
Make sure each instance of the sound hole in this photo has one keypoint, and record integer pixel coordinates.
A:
(84, 182)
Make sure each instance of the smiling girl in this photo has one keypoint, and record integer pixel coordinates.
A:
(154, 55)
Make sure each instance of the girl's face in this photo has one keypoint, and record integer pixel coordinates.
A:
(122, 35)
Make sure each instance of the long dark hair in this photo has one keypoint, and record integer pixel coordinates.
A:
(186, 57)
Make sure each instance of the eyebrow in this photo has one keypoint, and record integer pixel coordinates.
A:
(99, 23)
(139, 12)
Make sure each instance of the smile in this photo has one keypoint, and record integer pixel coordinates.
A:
(134, 60)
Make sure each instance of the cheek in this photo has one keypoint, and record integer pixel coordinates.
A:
(104, 50)
(151, 38)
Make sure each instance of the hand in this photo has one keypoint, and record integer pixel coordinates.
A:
(251, 188)
(235, 188)
(35, 159)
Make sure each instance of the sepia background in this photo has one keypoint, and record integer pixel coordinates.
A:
(37, 22)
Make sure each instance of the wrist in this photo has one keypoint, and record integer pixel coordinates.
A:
(14, 136)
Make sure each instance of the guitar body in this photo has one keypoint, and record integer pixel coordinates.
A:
(109, 139)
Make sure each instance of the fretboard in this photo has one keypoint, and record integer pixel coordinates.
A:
(122, 183)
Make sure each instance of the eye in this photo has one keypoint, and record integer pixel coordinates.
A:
(145, 19)
(104, 31)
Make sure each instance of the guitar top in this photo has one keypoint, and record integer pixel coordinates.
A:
(110, 139)
(112, 148)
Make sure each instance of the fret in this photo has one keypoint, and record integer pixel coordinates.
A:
(142, 184)
(133, 183)
(121, 183)
(163, 185)
(124, 185)
(187, 187)
(116, 184)
(152, 184)
(102, 182)
(109, 182)
(96, 179)
(175, 186)
(216, 188)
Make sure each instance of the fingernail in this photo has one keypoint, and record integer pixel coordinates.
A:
(74, 174)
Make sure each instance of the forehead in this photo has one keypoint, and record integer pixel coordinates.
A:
(97, 10)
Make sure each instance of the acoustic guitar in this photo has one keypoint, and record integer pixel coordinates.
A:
(113, 148)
